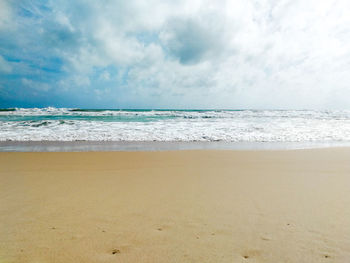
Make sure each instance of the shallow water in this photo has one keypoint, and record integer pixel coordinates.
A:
(244, 126)
(86, 146)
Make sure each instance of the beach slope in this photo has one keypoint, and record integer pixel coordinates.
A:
(180, 206)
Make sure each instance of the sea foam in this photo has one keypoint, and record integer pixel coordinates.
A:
(63, 124)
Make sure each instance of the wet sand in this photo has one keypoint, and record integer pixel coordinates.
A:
(180, 206)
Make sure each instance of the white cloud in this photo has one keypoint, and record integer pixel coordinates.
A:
(5, 15)
(225, 54)
(35, 85)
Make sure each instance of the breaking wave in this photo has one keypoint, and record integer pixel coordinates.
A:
(67, 124)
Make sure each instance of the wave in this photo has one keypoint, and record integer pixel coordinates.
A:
(171, 113)
(68, 124)
(184, 130)
(8, 109)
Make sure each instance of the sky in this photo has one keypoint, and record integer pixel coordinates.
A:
(256, 54)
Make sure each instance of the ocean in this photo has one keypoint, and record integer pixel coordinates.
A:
(241, 126)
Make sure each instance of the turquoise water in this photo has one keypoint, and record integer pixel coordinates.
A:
(63, 124)
(106, 115)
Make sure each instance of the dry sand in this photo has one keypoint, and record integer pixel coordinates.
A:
(182, 206)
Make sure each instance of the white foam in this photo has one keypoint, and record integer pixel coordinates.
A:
(232, 126)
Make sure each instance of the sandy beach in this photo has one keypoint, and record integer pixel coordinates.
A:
(179, 206)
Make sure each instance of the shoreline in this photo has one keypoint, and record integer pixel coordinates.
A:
(105, 146)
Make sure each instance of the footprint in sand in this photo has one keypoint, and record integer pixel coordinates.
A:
(115, 251)
(265, 238)
(251, 253)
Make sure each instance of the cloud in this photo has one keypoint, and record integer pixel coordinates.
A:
(192, 40)
(5, 15)
(203, 54)
(5, 66)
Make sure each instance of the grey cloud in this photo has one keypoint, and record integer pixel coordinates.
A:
(59, 36)
(5, 66)
(192, 40)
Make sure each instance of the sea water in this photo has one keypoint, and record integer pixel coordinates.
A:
(64, 124)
